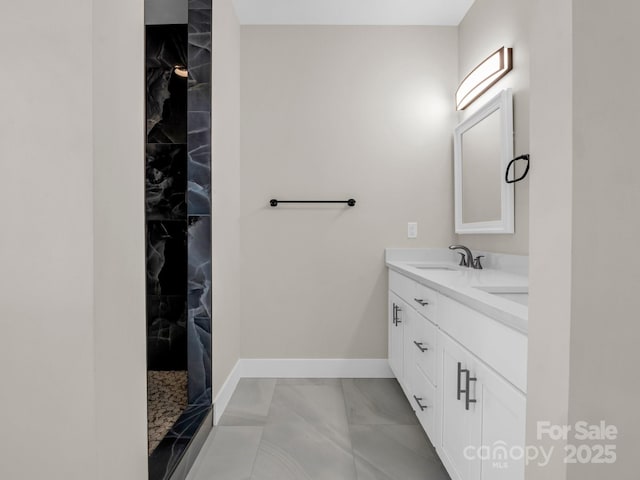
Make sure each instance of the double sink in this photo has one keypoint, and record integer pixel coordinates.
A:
(515, 294)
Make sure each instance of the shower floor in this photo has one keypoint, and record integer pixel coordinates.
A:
(167, 399)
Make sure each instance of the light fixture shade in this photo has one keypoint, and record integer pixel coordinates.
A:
(485, 75)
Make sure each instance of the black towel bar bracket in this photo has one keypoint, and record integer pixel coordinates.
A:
(274, 203)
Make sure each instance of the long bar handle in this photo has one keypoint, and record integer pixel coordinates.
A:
(420, 346)
(460, 372)
(396, 317)
(469, 400)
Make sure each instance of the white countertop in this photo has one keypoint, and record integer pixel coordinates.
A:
(460, 283)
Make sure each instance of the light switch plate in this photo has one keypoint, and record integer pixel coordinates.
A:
(412, 230)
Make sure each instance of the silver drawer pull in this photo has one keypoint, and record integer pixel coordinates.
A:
(424, 303)
(420, 346)
(422, 407)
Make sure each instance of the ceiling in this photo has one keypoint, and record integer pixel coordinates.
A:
(351, 12)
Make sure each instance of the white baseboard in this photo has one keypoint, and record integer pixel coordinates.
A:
(226, 391)
(297, 368)
(315, 368)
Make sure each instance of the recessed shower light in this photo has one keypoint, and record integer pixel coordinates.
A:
(181, 71)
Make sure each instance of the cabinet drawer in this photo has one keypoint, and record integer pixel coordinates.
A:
(423, 339)
(423, 402)
(422, 298)
(402, 286)
(425, 301)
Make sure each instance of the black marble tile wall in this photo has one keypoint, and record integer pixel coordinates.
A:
(199, 105)
(167, 332)
(199, 5)
(165, 196)
(199, 202)
(166, 295)
(166, 257)
(166, 182)
(199, 270)
(199, 310)
(166, 66)
(167, 455)
(178, 209)
(199, 164)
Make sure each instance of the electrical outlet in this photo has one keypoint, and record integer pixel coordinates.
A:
(412, 230)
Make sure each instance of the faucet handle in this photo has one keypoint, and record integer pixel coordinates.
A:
(476, 263)
(463, 259)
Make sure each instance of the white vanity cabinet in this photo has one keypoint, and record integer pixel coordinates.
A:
(479, 408)
(459, 425)
(501, 409)
(413, 347)
(464, 374)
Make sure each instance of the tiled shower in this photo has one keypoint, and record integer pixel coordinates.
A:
(178, 226)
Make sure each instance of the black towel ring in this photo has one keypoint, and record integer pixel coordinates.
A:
(526, 170)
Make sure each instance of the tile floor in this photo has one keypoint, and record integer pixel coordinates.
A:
(318, 429)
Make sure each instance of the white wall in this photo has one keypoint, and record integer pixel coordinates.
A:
(585, 192)
(226, 191)
(551, 227)
(119, 252)
(46, 246)
(489, 25)
(333, 113)
(71, 253)
(605, 325)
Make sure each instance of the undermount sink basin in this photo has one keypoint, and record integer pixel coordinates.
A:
(434, 267)
(515, 294)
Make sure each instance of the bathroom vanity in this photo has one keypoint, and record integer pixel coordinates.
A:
(458, 347)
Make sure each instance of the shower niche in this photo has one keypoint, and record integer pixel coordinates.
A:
(178, 232)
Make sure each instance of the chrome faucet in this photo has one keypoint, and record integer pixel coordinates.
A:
(467, 260)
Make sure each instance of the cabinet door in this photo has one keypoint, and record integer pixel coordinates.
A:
(396, 336)
(460, 422)
(503, 410)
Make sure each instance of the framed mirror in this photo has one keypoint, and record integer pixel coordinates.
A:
(483, 147)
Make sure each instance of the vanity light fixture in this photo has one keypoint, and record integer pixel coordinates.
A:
(483, 77)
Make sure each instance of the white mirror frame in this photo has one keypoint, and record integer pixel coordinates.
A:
(504, 103)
